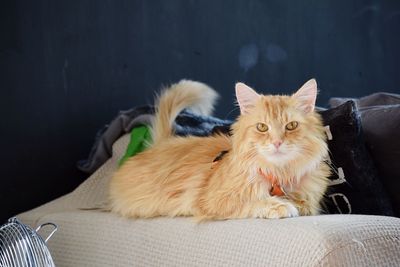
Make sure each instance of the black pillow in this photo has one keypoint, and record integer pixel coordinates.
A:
(381, 126)
(355, 186)
(380, 119)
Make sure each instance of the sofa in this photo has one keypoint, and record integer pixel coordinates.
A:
(89, 235)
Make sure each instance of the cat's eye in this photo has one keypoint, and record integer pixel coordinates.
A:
(262, 127)
(292, 125)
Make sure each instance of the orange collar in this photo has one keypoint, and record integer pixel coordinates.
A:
(276, 188)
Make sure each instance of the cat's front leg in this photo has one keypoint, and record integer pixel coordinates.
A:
(271, 208)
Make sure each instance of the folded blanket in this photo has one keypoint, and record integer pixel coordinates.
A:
(186, 123)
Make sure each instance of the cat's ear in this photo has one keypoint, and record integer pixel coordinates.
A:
(306, 96)
(246, 97)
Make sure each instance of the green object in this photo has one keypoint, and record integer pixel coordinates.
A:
(140, 140)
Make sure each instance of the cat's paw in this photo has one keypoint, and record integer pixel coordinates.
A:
(281, 210)
(284, 211)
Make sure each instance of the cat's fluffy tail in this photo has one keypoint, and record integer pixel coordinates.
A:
(186, 94)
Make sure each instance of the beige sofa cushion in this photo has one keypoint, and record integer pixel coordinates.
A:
(95, 238)
(92, 238)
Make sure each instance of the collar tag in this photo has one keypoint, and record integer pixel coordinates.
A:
(276, 188)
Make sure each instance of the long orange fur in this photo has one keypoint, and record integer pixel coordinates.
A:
(176, 177)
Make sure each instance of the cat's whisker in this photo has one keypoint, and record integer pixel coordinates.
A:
(251, 155)
(232, 110)
(250, 181)
(333, 167)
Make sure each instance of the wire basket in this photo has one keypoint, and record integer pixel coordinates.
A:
(20, 245)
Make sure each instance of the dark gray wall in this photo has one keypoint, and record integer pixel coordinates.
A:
(67, 67)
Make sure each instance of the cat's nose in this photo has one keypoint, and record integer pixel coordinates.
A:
(278, 143)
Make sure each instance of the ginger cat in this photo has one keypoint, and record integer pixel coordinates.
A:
(274, 165)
